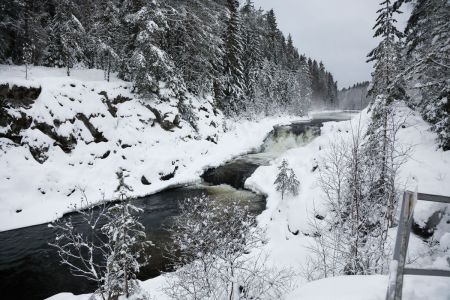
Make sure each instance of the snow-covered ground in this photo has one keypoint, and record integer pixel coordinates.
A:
(427, 170)
(33, 193)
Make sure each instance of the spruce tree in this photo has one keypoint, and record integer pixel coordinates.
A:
(67, 36)
(233, 76)
(104, 33)
(386, 54)
(286, 180)
(272, 37)
(251, 54)
(379, 142)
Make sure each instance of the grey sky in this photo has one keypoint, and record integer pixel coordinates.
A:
(338, 32)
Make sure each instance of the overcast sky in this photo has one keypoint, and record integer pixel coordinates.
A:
(338, 32)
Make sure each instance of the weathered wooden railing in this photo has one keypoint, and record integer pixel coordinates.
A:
(397, 268)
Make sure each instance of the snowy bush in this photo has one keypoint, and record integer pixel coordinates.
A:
(218, 255)
(108, 247)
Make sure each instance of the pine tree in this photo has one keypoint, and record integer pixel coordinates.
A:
(67, 36)
(286, 180)
(27, 57)
(251, 54)
(292, 57)
(386, 54)
(282, 180)
(379, 142)
(272, 37)
(127, 239)
(104, 33)
(293, 183)
(128, 242)
(146, 64)
(233, 76)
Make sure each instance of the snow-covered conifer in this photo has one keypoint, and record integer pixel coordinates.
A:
(232, 81)
(67, 36)
(286, 180)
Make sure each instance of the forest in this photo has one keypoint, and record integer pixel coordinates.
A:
(237, 54)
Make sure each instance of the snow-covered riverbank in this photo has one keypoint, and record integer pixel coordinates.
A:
(288, 221)
(32, 192)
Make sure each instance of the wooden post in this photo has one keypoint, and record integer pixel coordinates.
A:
(401, 246)
(397, 269)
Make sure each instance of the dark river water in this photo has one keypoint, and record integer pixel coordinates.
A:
(30, 269)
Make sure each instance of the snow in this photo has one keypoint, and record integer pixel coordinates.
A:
(427, 170)
(41, 191)
(155, 152)
(371, 288)
(294, 212)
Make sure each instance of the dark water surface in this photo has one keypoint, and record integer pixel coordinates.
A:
(30, 269)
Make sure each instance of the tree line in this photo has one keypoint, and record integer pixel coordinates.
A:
(235, 53)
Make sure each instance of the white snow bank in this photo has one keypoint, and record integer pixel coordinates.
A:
(287, 221)
(371, 288)
(33, 193)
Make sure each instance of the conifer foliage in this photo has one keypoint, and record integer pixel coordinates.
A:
(286, 181)
(237, 54)
(427, 51)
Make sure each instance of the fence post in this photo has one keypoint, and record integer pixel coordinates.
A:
(397, 265)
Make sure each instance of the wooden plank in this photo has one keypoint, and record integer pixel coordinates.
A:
(426, 272)
(401, 246)
(395, 285)
(433, 198)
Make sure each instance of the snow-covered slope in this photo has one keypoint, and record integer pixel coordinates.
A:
(427, 170)
(82, 129)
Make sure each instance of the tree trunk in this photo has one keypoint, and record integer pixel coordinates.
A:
(108, 67)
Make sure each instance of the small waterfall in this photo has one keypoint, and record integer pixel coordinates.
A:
(284, 138)
(281, 139)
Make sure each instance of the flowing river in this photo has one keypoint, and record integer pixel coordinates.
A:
(30, 269)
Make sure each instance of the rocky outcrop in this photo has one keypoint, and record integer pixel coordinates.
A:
(67, 144)
(96, 134)
(169, 176)
(430, 226)
(14, 97)
(161, 119)
(145, 181)
(112, 104)
(15, 124)
(19, 96)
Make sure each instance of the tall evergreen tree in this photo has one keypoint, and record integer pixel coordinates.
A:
(252, 54)
(104, 32)
(233, 75)
(379, 145)
(272, 37)
(387, 53)
(67, 36)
